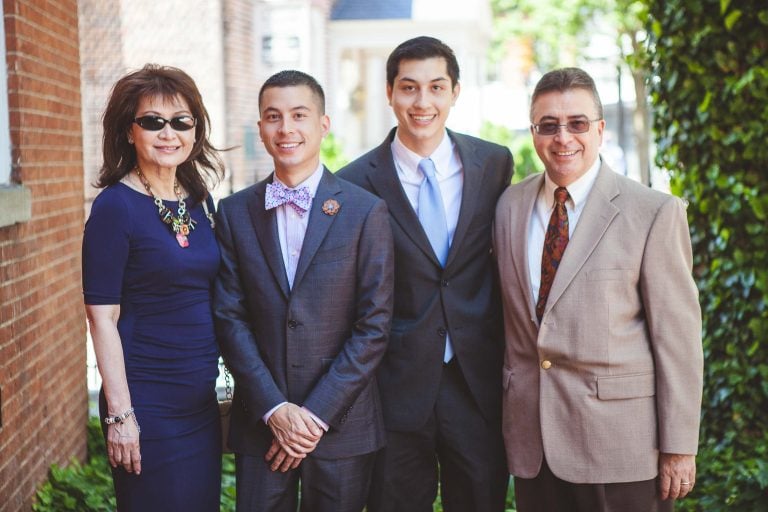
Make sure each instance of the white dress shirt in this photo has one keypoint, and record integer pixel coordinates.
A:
(291, 229)
(448, 170)
(542, 211)
(450, 178)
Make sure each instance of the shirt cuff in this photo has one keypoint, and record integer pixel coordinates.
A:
(271, 412)
(320, 423)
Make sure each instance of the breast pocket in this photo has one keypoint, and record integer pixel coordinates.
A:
(338, 252)
(609, 274)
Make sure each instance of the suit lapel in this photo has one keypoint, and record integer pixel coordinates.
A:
(386, 183)
(319, 222)
(265, 224)
(597, 215)
(473, 177)
(518, 236)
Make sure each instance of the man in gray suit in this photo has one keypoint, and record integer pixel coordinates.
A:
(440, 379)
(603, 365)
(303, 305)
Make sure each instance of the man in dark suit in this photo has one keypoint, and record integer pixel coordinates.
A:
(303, 305)
(440, 379)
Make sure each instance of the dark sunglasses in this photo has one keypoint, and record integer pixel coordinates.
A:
(573, 126)
(157, 123)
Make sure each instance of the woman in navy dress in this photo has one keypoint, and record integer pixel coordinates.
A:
(149, 260)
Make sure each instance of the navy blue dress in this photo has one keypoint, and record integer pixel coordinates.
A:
(131, 258)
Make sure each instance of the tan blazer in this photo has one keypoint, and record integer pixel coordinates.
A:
(614, 373)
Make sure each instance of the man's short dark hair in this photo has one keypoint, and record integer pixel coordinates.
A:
(565, 79)
(422, 48)
(294, 78)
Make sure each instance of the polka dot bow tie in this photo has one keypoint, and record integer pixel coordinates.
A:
(299, 199)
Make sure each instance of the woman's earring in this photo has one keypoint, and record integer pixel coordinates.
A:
(130, 139)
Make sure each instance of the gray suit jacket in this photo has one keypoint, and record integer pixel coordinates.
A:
(614, 373)
(461, 299)
(319, 343)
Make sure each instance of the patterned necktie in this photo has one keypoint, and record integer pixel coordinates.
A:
(555, 241)
(299, 199)
(432, 212)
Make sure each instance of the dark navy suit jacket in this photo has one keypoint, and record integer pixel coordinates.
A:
(319, 343)
(430, 301)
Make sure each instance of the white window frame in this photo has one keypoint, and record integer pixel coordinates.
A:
(15, 200)
(5, 132)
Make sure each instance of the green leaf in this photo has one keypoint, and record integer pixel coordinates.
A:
(759, 207)
(656, 28)
(732, 18)
(705, 102)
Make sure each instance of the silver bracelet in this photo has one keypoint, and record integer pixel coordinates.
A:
(111, 420)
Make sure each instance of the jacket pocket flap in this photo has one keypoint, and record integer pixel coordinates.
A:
(626, 386)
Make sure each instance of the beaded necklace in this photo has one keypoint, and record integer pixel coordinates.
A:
(181, 224)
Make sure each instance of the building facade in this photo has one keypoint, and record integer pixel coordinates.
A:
(43, 397)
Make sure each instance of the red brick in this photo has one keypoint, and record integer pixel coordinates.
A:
(42, 329)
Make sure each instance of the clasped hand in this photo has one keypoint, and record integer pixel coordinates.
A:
(295, 436)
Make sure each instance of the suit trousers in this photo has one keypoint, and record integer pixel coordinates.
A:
(457, 446)
(327, 485)
(547, 493)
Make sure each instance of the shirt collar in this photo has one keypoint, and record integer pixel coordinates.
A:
(409, 160)
(578, 190)
(312, 182)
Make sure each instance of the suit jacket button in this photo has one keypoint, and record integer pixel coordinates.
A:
(292, 324)
(546, 364)
(444, 283)
(442, 332)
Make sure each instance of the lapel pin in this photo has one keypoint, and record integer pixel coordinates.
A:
(331, 207)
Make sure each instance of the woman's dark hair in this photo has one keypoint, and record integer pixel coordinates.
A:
(202, 169)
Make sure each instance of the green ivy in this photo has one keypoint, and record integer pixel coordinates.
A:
(77, 487)
(228, 500)
(88, 488)
(710, 95)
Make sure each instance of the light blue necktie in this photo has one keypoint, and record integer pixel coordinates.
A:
(432, 212)
(432, 218)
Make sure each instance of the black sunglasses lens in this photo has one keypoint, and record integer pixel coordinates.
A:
(182, 123)
(151, 123)
(156, 123)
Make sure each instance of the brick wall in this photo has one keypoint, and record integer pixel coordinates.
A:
(42, 325)
(248, 162)
(101, 64)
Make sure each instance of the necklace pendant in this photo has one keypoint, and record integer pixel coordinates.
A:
(182, 239)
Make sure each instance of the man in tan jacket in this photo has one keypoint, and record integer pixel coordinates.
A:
(603, 362)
